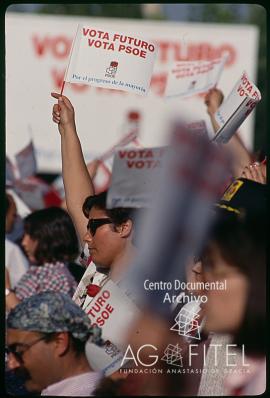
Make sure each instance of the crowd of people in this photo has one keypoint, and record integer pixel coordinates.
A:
(47, 332)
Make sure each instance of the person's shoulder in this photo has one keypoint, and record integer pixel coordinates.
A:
(13, 250)
(9, 245)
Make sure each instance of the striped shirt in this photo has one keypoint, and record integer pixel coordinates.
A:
(55, 277)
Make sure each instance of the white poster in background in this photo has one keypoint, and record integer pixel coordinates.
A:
(236, 108)
(134, 175)
(187, 78)
(104, 58)
(198, 127)
(45, 42)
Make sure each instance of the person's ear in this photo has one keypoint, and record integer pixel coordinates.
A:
(61, 342)
(125, 229)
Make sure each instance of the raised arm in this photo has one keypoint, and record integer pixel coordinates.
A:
(77, 181)
(241, 155)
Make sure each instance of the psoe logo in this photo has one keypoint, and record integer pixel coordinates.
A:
(112, 69)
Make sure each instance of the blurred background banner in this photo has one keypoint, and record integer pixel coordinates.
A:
(37, 51)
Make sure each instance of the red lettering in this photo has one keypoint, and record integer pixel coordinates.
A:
(121, 47)
(100, 321)
(132, 154)
(143, 54)
(85, 31)
(40, 45)
(158, 84)
(194, 51)
(163, 51)
(105, 315)
(109, 308)
(106, 294)
(130, 163)
(58, 77)
(230, 50)
(101, 301)
(91, 313)
(149, 154)
(122, 154)
(60, 46)
(140, 164)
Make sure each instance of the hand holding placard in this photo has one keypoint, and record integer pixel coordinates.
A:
(213, 100)
(237, 106)
(63, 113)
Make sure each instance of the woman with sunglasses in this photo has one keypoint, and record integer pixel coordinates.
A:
(50, 242)
(107, 233)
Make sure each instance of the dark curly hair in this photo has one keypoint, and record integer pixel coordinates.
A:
(117, 215)
(55, 233)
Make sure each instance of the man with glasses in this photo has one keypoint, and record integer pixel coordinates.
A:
(46, 337)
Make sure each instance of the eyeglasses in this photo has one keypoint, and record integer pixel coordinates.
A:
(18, 354)
(95, 223)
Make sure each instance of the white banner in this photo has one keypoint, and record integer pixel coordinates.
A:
(187, 78)
(106, 58)
(236, 107)
(46, 40)
(133, 177)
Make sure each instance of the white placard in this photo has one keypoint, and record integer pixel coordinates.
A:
(187, 78)
(22, 208)
(133, 177)
(32, 192)
(91, 275)
(235, 109)
(10, 172)
(26, 161)
(114, 312)
(104, 58)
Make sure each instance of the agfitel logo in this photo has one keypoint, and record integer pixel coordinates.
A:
(112, 69)
(172, 355)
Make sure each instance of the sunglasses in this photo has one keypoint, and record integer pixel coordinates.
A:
(95, 223)
(18, 353)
